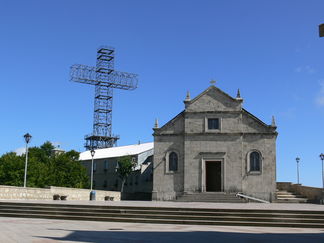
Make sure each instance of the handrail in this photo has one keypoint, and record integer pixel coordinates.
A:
(251, 198)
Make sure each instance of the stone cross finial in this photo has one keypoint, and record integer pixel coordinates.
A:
(188, 96)
(273, 122)
(156, 124)
(212, 82)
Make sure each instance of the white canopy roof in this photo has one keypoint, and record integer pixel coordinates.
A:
(117, 151)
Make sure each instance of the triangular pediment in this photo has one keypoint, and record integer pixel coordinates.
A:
(175, 125)
(251, 123)
(211, 102)
(213, 99)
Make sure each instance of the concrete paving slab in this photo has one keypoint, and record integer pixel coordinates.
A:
(44, 230)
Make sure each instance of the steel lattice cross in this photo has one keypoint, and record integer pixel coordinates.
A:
(105, 79)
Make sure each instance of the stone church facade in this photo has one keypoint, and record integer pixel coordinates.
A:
(214, 145)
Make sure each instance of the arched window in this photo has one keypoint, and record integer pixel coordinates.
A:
(173, 161)
(255, 161)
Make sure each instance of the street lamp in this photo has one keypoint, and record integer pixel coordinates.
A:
(322, 158)
(297, 160)
(92, 193)
(27, 137)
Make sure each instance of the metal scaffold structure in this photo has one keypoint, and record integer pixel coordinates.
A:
(105, 79)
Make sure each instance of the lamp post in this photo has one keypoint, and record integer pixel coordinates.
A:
(297, 160)
(27, 137)
(322, 158)
(92, 193)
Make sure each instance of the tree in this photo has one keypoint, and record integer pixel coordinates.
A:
(12, 169)
(124, 169)
(47, 148)
(44, 168)
(67, 171)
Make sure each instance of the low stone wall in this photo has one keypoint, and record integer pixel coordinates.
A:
(12, 192)
(284, 186)
(314, 194)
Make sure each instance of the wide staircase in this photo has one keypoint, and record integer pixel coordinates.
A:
(165, 215)
(289, 197)
(214, 197)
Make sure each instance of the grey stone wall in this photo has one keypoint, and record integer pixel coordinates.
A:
(261, 185)
(166, 185)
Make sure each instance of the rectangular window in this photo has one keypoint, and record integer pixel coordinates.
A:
(106, 165)
(213, 123)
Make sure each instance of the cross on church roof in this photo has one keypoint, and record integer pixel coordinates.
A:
(212, 82)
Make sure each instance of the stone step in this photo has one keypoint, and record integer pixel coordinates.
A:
(210, 196)
(291, 201)
(263, 218)
(217, 197)
(188, 199)
(289, 194)
(197, 197)
(284, 192)
(165, 215)
(211, 201)
(177, 221)
(289, 197)
(124, 209)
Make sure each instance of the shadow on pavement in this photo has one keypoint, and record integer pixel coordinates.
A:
(118, 235)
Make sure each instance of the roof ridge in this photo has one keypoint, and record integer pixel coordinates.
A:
(118, 151)
(173, 119)
(207, 90)
(254, 117)
(136, 144)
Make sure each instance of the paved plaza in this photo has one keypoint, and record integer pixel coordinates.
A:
(46, 230)
(43, 230)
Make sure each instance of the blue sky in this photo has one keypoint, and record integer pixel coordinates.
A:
(268, 49)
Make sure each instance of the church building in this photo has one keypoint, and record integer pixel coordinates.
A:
(214, 145)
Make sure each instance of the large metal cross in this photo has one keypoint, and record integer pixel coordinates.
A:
(105, 79)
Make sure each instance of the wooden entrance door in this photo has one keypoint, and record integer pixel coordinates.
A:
(213, 176)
